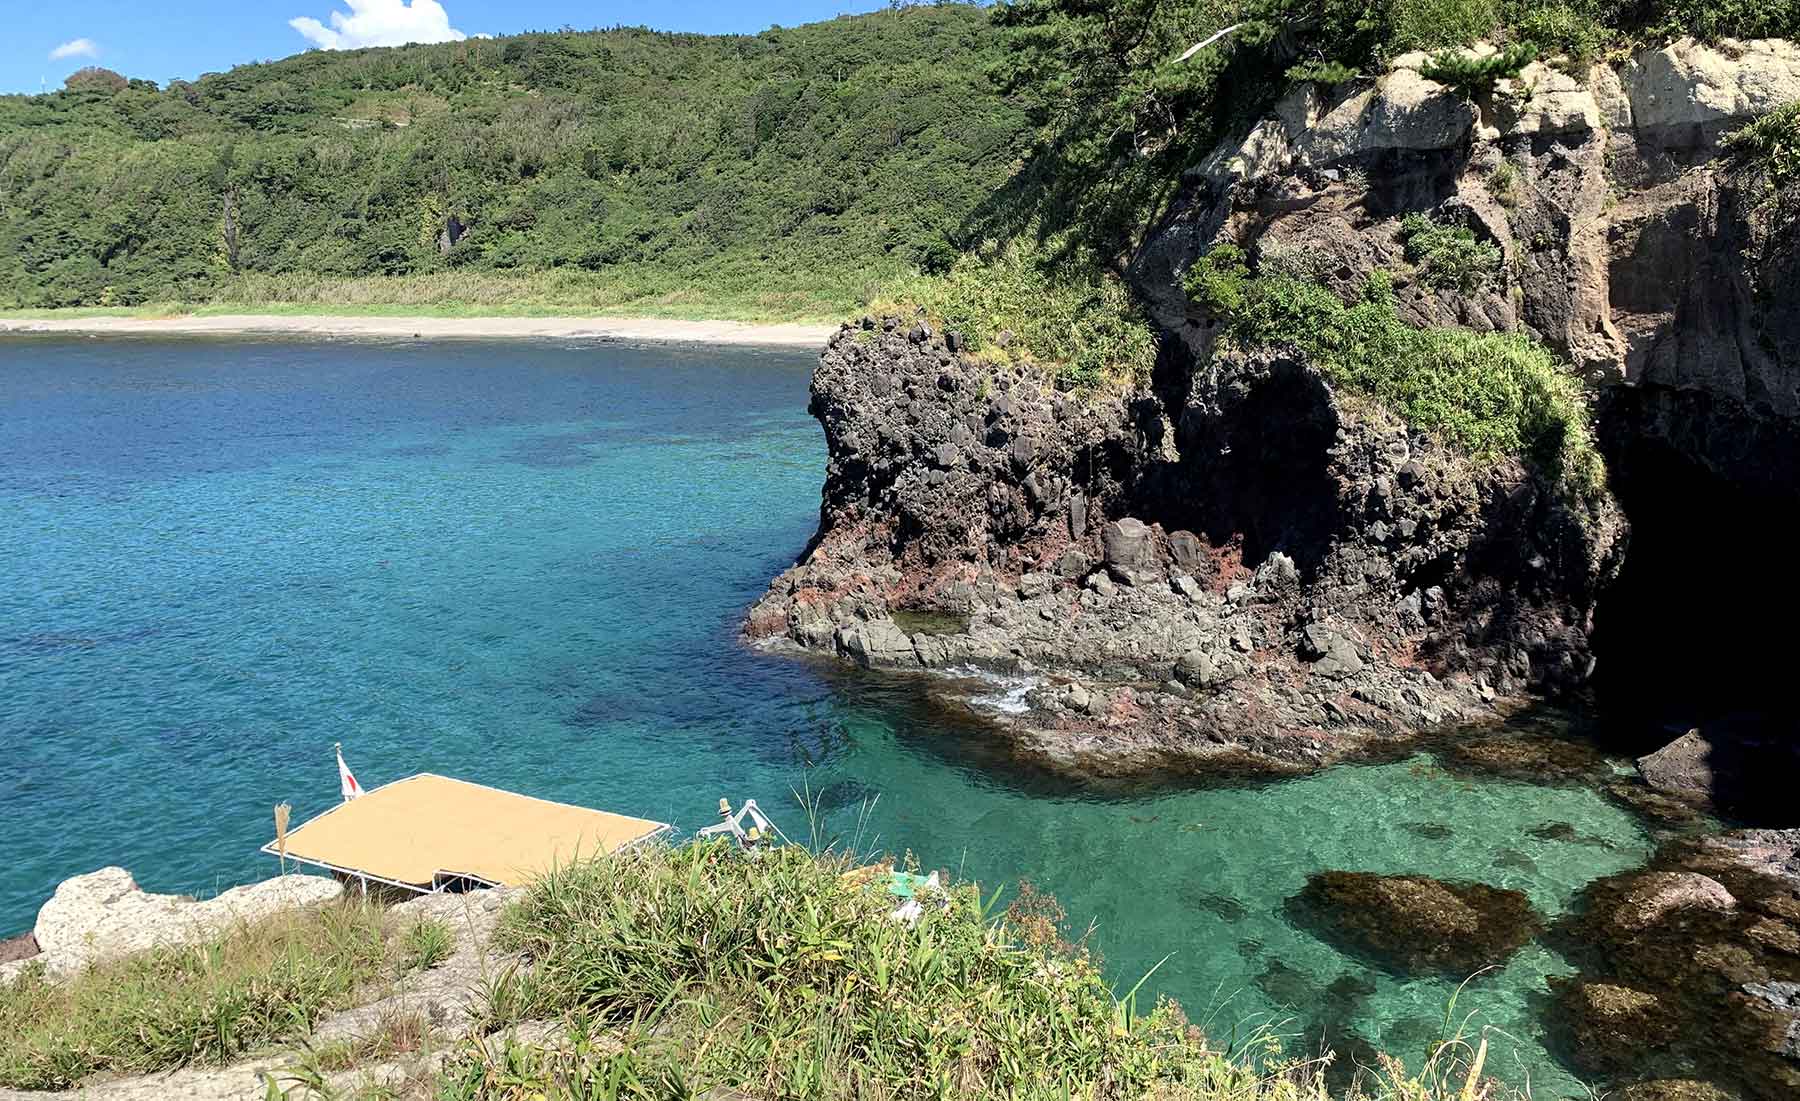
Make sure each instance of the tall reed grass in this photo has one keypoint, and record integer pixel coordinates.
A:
(252, 987)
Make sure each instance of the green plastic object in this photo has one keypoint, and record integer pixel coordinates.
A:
(905, 884)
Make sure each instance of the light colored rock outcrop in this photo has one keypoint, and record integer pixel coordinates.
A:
(1683, 96)
(1543, 101)
(1687, 94)
(105, 914)
(1403, 111)
(443, 997)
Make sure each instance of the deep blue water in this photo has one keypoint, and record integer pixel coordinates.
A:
(524, 564)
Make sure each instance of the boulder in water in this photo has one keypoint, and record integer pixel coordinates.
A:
(1646, 900)
(1709, 934)
(1416, 924)
(1745, 771)
(1613, 1028)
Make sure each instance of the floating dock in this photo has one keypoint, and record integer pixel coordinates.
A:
(431, 833)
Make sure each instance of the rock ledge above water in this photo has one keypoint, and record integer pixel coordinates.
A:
(105, 914)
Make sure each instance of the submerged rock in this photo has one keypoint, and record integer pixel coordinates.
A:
(1672, 1089)
(1655, 896)
(1653, 806)
(1430, 831)
(1613, 1027)
(1416, 924)
(1711, 932)
(1527, 757)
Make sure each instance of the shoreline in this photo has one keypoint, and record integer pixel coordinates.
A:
(669, 330)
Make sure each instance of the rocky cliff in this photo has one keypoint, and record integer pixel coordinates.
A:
(1635, 246)
(1236, 564)
(1231, 568)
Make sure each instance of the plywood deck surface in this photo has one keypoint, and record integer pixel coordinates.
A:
(412, 830)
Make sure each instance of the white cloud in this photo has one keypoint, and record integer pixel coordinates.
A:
(380, 23)
(77, 47)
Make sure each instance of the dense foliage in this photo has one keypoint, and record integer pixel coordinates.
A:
(1771, 144)
(858, 145)
(1073, 319)
(1448, 257)
(1120, 117)
(1492, 394)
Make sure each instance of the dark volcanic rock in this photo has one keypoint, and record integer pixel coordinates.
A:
(1250, 615)
(1128, 544)
(1264, 502)
(1416, 924)
(1638, 250)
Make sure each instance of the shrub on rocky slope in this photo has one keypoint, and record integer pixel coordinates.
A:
(683, 971)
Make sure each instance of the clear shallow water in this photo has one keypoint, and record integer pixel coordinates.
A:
(524, 564)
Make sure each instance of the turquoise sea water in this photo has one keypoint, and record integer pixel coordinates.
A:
(524, 564)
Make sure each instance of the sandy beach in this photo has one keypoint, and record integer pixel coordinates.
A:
(438, 328)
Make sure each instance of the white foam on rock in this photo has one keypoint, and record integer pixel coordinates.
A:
(1007, 693)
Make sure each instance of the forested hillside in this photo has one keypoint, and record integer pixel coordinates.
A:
(798, 173)
(793, 167)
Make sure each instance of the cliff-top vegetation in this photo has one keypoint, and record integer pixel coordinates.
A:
(1116, 121)
(1491, 394)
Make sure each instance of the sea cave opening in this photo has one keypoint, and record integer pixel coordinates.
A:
(1697, 631)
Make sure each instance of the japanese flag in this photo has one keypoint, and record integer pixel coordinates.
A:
(352, 789)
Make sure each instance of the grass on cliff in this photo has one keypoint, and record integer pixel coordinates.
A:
(257, 985)
(1771, 144)
(1449, 257)
(1077, 322)
(1491, 394)
(681, 971)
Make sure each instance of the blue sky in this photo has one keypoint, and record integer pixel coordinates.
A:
(160, 40)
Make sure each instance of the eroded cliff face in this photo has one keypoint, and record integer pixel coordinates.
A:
(1636, 248)
(1236, 564)
(1233, 567)
(1632, 246)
